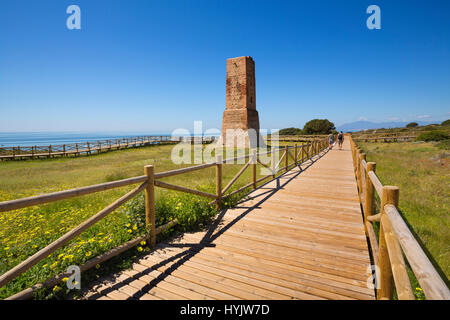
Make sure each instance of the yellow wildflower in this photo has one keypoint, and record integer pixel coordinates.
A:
(140, 249)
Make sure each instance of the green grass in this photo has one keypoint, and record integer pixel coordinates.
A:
(421, 171)
(25, 231)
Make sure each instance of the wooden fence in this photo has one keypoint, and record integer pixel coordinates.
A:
(296, 138)
(147, 183)
(76, 149)
(384, 138)
(395, 239)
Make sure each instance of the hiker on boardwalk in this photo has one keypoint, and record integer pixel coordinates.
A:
(330, 140)
(340, 139)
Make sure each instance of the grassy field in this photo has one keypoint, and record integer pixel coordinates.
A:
(23, 232)
(421, 170)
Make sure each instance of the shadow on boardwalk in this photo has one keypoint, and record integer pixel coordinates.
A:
(213, 231)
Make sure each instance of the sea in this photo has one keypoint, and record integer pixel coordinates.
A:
(15, 139)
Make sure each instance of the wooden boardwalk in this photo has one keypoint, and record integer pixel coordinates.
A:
(300, 236)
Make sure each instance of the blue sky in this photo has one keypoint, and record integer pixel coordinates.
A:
(153, 66)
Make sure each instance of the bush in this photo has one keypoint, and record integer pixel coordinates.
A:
(412, 125)
(290, 132)
(193, 212)
(446, 123)
(433, 136)
(190, 210)
(444, 144)
(318, 126)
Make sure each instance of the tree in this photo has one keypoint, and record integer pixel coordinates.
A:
(412, 125)
(446, 123)
(290, 131)
(318, 126)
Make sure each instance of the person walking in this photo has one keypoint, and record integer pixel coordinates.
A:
(340, 139)
(330, 140)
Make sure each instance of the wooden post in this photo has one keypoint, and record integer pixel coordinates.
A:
(303, 152)
(89, 147)
(361, 186)
(295, 154)
(368, 201)
(254, 162)
(389, 195)
(274, 163)
(286, 158)
(149, 171)
(354, 156)
(357, 169)
(219, 180)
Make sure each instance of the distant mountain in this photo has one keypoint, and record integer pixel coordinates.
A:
(365, 125)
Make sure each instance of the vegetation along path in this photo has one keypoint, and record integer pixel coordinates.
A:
(300, 236)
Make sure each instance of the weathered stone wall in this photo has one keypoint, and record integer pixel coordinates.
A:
(240, 112)
(241, 83)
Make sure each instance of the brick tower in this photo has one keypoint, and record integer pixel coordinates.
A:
(240, 119)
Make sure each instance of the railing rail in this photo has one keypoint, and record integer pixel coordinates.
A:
(75, 149)
(148, 183)
(395, 239)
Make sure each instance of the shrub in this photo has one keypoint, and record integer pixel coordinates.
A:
(433, 136)
(192, 212)
(446, 123)
(444, 144)
(318, 126)
(412, 125)
(290, 131)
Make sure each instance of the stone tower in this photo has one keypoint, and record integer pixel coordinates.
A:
(240, 119)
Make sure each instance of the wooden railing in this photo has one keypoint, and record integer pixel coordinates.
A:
(147, 183)
(395, 239)
(296, 138)
(76, 149)
(380, 138)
